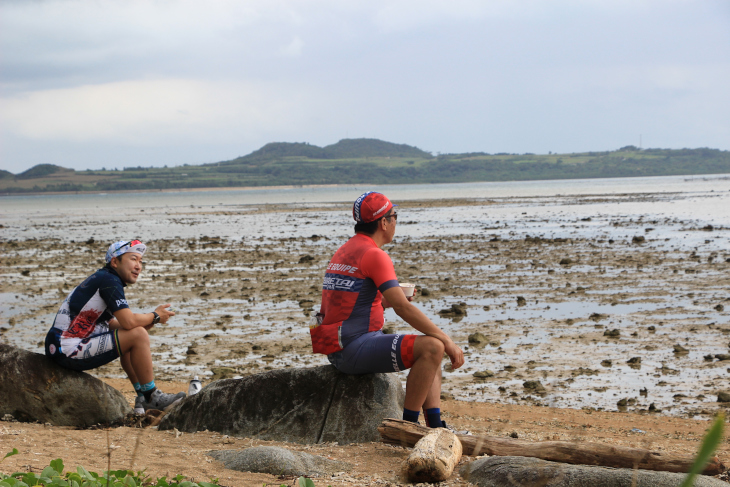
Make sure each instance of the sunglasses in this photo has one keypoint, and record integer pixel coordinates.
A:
(393, 215)
(131, 243)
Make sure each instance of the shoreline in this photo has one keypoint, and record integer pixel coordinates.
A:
(686, 178)
(171, 190)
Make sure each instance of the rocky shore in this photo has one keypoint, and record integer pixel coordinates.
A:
(585, 303)
(570, 311)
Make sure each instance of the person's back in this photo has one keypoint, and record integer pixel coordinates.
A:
(351, 297)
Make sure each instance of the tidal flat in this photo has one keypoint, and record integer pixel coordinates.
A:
(606, 301)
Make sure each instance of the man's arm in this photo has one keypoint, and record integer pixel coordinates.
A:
(126, 319)
(415, 317)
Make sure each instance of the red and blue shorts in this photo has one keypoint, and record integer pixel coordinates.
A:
(375, 352)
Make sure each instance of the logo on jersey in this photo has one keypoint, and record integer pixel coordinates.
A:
(341, 268)
(336, 282)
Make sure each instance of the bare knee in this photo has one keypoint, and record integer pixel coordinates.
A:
(141, 334)
(136, 337)
(429, 348)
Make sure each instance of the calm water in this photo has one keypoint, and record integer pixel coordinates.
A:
(689, 186)
(547, 208)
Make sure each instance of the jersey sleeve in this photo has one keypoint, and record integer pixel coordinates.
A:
(376, 265)
(112, 292)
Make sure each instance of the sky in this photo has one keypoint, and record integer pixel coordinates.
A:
(99, 83)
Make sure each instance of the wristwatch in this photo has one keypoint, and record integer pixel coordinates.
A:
(156, 318)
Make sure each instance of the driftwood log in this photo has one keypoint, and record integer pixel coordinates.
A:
(434, 457)
(404, 433)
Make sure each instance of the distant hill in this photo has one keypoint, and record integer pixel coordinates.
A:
(279, 150)
(344, 149)
(353, 148)
(6, 174)
(371, 161)
(41, 171)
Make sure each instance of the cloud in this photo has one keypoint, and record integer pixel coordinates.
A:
(147, 112)
(182, 77)
(294, 48)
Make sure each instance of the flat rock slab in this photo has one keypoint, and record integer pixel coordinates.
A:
(313, 405)
(279, 461)
(511, 471)
(33, 388)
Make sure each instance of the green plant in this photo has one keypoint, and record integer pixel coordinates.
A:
(709, 444)
(52, 476)
(10, 454)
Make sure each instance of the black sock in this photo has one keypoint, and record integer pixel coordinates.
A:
(148, 394)
(411, 416)
(433, 417)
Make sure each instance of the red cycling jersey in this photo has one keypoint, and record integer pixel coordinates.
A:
(351, 295)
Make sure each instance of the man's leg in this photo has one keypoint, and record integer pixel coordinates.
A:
(423, 386)
(127, 366)
(137, 362)
(136, 355)
(376, 352)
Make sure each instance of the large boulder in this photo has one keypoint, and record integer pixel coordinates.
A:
(314, 405)
(511, 471)
(279, 461)
(33, 388)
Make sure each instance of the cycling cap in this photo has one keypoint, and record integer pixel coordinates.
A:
(123, 246)
(370, 206)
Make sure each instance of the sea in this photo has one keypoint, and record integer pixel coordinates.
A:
(704, 199)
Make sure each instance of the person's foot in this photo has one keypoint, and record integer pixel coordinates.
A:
(160, 400)
(139, 405)
(456, 432)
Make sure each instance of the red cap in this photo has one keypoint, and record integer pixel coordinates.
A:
(370, 206)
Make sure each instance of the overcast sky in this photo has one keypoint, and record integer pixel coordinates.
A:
(91, 84)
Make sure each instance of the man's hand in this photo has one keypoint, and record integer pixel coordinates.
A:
(164, 313)
(455, 354)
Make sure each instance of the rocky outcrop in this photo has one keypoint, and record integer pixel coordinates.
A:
(314, 405)
(511, 471)
(279, 461)
(33, 388)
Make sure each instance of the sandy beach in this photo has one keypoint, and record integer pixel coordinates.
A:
(624, 320)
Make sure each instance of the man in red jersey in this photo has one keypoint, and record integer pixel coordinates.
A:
(359, 283)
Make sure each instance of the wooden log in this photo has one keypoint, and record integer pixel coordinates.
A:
(406, 434)
(433, 457)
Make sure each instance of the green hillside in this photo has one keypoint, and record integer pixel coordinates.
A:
(354, 148)
(41, 170)
(344, 149)
(372, 161)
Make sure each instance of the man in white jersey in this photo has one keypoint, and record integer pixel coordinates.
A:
(95, 326)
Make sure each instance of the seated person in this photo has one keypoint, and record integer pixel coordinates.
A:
(95, 326)
(359, 282)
